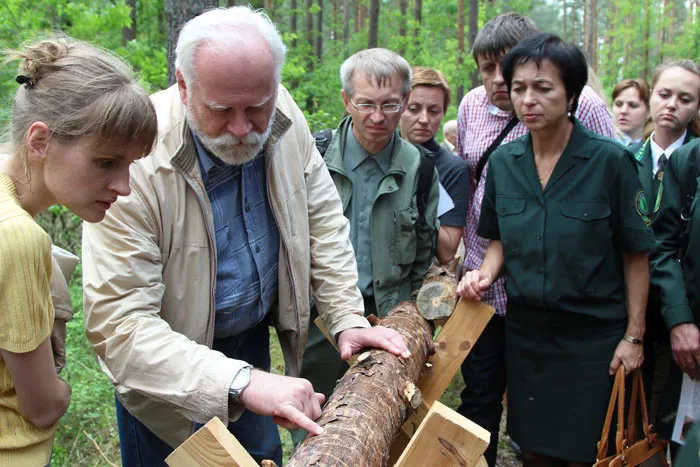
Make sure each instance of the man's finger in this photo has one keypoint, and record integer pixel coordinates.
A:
(295, 416)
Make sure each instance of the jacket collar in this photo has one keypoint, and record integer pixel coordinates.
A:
(400, 158)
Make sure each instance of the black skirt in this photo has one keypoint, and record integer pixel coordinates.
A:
(558, 381)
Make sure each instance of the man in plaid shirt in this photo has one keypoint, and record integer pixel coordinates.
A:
(483, 114)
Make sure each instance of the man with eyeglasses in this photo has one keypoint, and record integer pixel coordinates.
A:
(376, 175)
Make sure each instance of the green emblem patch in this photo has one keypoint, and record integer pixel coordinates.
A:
(642, 207)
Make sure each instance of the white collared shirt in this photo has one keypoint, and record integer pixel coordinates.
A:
(656, 150)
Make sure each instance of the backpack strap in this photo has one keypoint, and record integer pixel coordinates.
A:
(492, 147)
(323, 140)
(425, 180)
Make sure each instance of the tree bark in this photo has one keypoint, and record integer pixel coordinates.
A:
(129, 34)
(346, 25)
(371, 401)
(177, 13)
(564, 18)
(588, 29)
(647, 38)
(373, 24)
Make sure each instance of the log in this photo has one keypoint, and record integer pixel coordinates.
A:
(437, 296)
(372, 400)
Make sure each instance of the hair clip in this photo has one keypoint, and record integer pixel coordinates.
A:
(26, 80)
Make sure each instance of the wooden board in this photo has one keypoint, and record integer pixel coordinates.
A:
(211, 446)
(445, 439)
(452, 346)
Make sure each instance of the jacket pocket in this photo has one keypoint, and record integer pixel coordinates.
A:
(509, 209)
(586, 211)
(405, 236)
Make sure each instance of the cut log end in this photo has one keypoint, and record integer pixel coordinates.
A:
(437, 297)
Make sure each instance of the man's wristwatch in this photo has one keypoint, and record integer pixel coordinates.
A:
(239, 383)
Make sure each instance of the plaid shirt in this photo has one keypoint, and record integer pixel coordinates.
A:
(478, 125)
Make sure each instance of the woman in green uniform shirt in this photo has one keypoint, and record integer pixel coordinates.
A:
(677, 228)
(674, 105)
(568, 221)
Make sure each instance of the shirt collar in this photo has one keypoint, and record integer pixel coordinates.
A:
(656, 150)
(355, 154)
(495, 111)
(207, 160)
(627, 141)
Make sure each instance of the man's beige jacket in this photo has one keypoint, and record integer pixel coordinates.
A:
(149, 272)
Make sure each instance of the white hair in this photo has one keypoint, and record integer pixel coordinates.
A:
(450, 126)
(230, 28)
(377, 64)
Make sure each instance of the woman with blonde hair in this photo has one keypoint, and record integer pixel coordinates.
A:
(78, 121)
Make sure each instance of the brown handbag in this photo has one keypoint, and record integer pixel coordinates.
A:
(647, 450)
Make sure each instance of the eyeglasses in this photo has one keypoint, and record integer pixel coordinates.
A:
(371, 108)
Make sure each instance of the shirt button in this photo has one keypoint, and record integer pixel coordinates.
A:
(540, 270)
(585, 214)
(538, 237)
(247, 208)
(257, 249)
(503, 209)
(377, 282)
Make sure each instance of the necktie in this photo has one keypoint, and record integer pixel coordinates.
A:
(662, 164)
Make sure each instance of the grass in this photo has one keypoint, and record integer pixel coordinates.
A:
(87, 434)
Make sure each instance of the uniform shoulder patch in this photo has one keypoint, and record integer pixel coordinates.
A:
(642, 207)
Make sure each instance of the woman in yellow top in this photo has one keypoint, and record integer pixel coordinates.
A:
(78, 121)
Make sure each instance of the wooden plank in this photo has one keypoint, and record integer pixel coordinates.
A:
(447, 439)
(212, 445)
(452, 346)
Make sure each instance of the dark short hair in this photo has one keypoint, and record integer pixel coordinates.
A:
(637, 83)
(568, 59)
(502, 33)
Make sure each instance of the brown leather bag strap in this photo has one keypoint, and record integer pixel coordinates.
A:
(620, 436)
(638, 398)
(614, 396)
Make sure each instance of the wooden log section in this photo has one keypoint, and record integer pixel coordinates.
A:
(438, 294)
(371, 401)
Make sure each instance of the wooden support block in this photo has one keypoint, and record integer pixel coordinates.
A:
(211, 446)
(447, 439)
(452, 346)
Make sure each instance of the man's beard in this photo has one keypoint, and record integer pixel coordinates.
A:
(227, 147)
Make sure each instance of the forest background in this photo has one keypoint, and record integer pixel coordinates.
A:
(620, 38)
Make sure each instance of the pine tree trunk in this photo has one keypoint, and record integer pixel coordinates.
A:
(310, 35)
(346, 25)
(319, 32)
(371, 401)
(177, 13)
(373, 24)
(474, 76)
(418, 18)
(564, 18)
(129, 34)
(647, 38)
(403, 8)
(293, 22)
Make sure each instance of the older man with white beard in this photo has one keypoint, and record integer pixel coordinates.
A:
(230, 223)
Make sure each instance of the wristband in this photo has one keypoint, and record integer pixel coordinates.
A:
(631, 339)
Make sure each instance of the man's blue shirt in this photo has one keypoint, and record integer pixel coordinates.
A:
(247, 242)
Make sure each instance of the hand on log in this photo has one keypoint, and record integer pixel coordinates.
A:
(353, 340)
(371, 401)
(291, 402)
